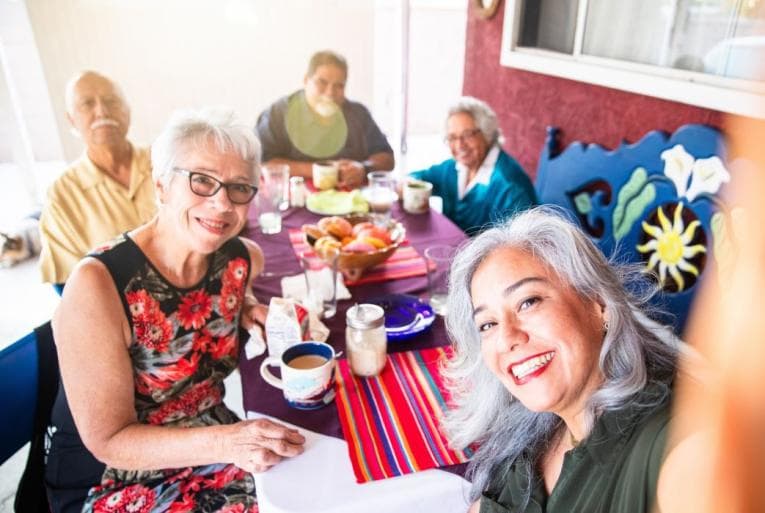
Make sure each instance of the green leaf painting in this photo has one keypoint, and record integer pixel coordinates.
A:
(583, 203)
(632, 201)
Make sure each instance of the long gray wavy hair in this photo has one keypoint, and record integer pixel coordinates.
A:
(635, 352)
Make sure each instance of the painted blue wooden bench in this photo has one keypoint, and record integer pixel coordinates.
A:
(657, 202)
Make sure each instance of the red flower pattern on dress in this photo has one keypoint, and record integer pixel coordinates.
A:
(194, 310)
(141, 304)
(226, 346)
(202, 341)
(164, 377)
(132, 499)
(192, 484)
(230, 301)
(153, 331)
(196, 399)
(176, 475)
(186, 504)
(235, 273)
(220, 479)
(176, 380)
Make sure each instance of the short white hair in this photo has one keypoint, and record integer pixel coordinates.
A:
(72, 83)
(485, 118)
(198, 129)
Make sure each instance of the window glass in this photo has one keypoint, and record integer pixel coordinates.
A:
(716, 37)
(720, 37)
(549, 24)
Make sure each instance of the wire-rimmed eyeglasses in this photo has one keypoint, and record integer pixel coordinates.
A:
(464, 136)
(206, 185)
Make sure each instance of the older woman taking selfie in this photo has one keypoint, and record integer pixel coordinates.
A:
(556, 373)
(148, 329)
(481, 184)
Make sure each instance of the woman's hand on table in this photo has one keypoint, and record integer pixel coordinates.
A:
(257, 445)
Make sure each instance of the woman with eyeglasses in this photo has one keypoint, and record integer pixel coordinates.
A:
(148, 329)
(482, 183)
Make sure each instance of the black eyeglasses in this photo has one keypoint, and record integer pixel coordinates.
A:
(464, 136)
(205, 185)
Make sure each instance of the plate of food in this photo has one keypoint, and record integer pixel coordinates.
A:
(356, 242)
(336, 203)
(405, 315)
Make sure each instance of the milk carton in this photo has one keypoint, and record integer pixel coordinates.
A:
(286, 325)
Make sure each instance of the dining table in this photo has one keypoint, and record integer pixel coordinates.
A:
(321, 479)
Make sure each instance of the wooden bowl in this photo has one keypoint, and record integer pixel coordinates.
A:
(353, 264)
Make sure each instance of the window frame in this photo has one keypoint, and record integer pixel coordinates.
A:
(731, 95)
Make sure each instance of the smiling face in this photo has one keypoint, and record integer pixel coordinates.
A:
(205, 223)
(466, 142)
(325, 89)
(98, 112)
(538, 336)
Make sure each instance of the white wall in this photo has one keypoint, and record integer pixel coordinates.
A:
(168, 54)
(436, 61)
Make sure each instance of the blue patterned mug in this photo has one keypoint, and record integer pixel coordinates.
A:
(308, 374)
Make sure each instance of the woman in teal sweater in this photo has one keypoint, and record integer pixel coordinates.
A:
(482, 184)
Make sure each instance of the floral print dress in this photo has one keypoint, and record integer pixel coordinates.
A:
(185, 342)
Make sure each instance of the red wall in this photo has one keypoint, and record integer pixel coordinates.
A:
(526, 103)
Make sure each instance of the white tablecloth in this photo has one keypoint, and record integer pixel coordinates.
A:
(321, 480)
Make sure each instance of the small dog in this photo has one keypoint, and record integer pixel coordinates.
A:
(21, 243)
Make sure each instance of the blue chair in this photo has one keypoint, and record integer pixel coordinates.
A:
(656, 203)
(28, 387)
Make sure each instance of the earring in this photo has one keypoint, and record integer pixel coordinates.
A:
(605, 326)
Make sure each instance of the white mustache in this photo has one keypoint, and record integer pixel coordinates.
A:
(103, 122)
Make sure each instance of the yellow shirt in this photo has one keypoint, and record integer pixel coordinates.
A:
(86, 208)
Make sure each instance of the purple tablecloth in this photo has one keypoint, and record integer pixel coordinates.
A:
(422, 231)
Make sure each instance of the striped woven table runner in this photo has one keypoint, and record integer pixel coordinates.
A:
(391, 421)
(404, 263)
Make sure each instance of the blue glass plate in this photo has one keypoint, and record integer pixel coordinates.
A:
(405, 315)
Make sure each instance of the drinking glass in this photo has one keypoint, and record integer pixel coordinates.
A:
(438, 259)
(321, 282)
(277, 178)
(381, 193)
(272, 197)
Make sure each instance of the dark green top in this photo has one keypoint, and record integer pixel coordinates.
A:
(614, 470)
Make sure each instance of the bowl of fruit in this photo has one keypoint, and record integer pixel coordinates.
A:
(359, 242)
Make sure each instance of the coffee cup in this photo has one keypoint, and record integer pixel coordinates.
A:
(416, 194)
(308, 374)
(324, 174)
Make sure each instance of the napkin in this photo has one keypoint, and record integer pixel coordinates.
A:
(256, 344)
(295, 286)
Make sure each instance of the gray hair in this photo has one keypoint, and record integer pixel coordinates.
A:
(484, 117)
(634, 352)
(196, 129)
(327, 58)
(72, 83)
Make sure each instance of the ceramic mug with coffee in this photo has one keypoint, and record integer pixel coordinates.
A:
(308, 374)
(325, 174)
(416, 194)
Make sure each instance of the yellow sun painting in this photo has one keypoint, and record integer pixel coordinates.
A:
(670, 246)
